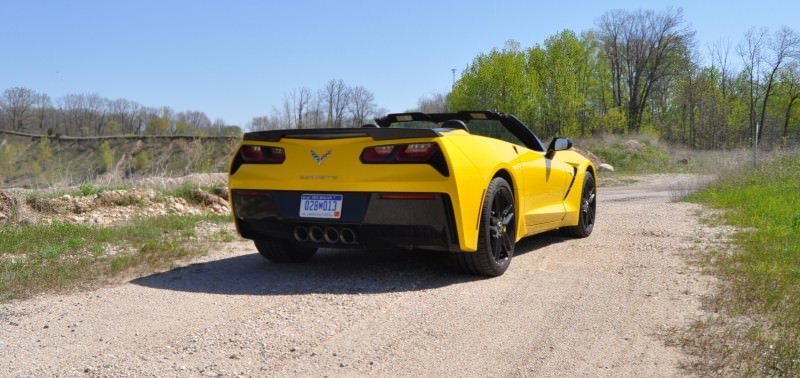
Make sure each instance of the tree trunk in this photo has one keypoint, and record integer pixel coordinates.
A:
(787, 117)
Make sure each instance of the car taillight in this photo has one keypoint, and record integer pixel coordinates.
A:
(400, 153)
(262, 154)
(378, 154)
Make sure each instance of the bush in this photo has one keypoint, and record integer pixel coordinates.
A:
(106, 156)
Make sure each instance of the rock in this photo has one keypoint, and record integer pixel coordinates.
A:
(3, 217)
(221, 192)
(634, 145)
(605, 167)
(80, 206)
(8, 203)
(208, 199)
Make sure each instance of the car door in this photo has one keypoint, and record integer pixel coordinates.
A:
(546, 183)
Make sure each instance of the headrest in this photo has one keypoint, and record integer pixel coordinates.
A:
(454, 124)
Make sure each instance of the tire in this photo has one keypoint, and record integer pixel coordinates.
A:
(497, 233)
(588, 209)
(282, 251)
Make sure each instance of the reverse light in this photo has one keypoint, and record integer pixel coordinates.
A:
(416, 152)
(262, 154)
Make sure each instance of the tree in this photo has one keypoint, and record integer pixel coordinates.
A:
(436, 103)
(336, 95)
(300, 99)
(644, 48)
(784, 45)
(17, 103)
(790, 78)
(361, 105)
(496, 80)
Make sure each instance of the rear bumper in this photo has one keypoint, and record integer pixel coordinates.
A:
(373, 219)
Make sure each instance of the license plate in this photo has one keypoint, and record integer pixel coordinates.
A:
(321, 206)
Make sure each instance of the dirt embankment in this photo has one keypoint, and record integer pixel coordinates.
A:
(596, 306)
(190, 195)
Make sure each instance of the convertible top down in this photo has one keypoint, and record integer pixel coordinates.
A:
(471, 183)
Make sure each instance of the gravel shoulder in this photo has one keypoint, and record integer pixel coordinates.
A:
(604, 305)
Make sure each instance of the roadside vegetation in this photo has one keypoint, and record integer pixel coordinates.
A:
(62, 255)
(83, 236)
(758, 331)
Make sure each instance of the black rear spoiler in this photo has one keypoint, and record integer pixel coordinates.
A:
(376, 133)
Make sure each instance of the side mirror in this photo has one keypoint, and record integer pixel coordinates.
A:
(558, 144)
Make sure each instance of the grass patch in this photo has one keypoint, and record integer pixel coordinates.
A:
(647, 159)
(39, 257)
(188, 190)
(633, 154)
(762, 279)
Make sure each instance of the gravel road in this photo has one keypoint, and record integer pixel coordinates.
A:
(604, 305)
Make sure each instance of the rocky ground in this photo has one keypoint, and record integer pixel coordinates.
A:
(601, 306)
(144, 198)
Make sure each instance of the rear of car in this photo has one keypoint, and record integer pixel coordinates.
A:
(294, 191)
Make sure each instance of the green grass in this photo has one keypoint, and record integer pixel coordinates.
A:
(40, 257)
(761, 280)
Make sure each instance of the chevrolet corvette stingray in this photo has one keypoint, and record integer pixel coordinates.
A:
(471, 183)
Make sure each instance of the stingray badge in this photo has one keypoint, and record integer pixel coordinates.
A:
(319, 158)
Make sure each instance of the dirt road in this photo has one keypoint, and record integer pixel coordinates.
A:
(596, 306)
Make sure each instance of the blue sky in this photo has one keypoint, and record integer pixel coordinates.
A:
(236, 59)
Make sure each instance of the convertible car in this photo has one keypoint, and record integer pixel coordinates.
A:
(472, 183)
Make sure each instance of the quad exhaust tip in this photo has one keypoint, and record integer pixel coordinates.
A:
(329, 234)
(315, 234)
(301, 233)
(347, 236)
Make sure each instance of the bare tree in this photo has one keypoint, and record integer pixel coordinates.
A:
(287, 114)
(611, 25)
(83, 113)
(300, 99)
(644, 48)
(337, 96)
(124, 111)
(191, 121)
(44, 108)
(315, 116)
(361, 105)
(17, 103)
(784, 45)
(436, 103)
(266, 122)
(720, 53)
(750, 51)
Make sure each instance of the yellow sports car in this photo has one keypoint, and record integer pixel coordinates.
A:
(472, 183)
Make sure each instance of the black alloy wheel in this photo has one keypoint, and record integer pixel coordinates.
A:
(588, 209)
(497, 233)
